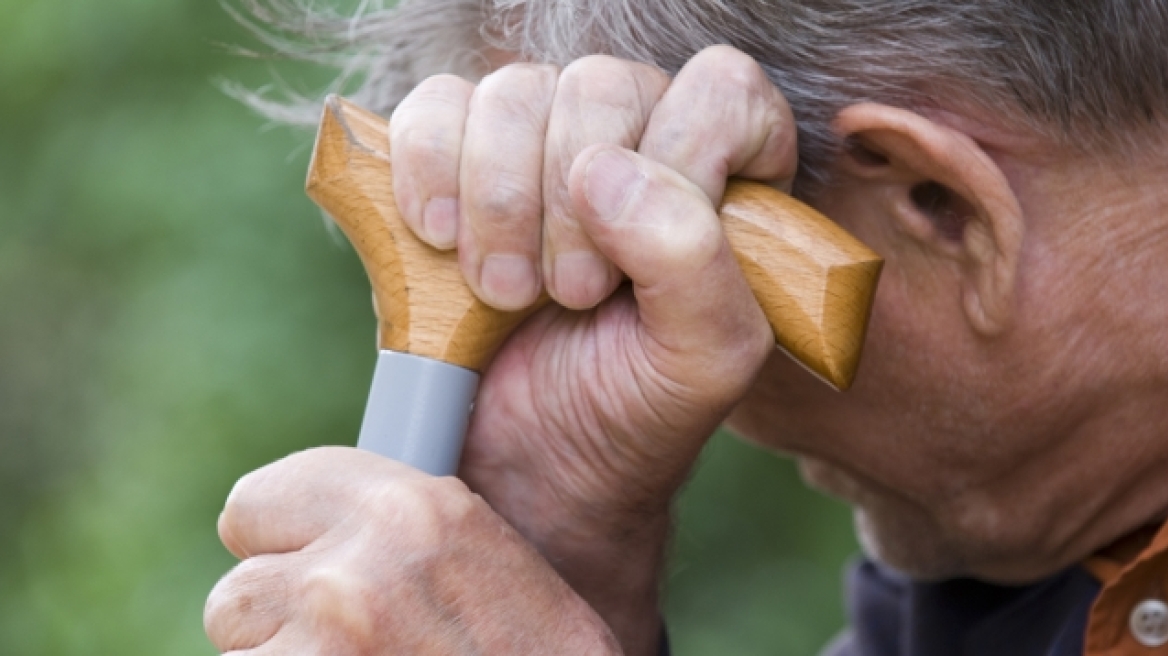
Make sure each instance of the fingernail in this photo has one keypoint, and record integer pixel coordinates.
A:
(581, 279)
(508, 281)
(609, 180)
(440, 221)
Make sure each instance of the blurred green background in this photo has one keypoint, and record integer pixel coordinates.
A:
(174, 313)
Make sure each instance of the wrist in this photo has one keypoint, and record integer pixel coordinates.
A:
(607, 542)
(618, 573)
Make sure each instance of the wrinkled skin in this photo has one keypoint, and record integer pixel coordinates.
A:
(1005, 453)
(1012, 344)
(321, 581)
(587, 421)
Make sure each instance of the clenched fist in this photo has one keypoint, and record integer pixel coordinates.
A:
(573, 181)
(346, 553)
(598, 184)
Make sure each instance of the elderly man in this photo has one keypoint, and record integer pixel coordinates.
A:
(1004, 445)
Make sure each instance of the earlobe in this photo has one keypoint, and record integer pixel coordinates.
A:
(950, 197)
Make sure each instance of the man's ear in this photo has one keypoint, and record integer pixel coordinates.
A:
(948, 196)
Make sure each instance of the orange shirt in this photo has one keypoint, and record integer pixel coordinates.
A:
(1130, 615)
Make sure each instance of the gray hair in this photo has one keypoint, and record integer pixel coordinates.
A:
(1088, 74)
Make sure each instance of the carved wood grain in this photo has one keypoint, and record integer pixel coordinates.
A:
(814, 281)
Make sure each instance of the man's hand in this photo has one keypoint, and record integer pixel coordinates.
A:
(588, 421)
(345, 552)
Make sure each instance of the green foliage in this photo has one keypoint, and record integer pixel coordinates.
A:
(175, 313)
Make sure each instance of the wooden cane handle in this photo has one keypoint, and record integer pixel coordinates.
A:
(814, 281)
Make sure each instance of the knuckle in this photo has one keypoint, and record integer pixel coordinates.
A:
(691, 242)
(219, 606)
(525, 74)
(437, 92)
(735, 70)
(590, 66)
(597, 74)
(426, 128)
(333, 583)
(507, 201)
(241, 498)
(444, 498)
(453, 498)
(446, 486)
(445, 85)
(401, 508)
(252, 586)
(431, 147)
(519, 93)
(425, 508)
(608, 82)
(698, 245)
(254, 490)
(340, 601)
(749, 119)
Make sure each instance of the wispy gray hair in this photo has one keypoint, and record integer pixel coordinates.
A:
(1091, 74)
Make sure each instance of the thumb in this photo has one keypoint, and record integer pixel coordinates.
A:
(700, 324)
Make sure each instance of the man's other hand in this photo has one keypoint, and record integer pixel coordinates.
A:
(347, 553)
(574, 180)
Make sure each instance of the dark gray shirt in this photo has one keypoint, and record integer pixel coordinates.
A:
(891, 615)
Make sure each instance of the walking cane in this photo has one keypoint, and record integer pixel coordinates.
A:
(813, 280)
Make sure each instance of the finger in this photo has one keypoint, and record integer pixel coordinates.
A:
(598, 99)
(721, 117)
(340, 611)
(499, 180)
(248, 606)
(291, 639)
(291, 503)
(425, 145)
(319, 639)
(700, 321)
